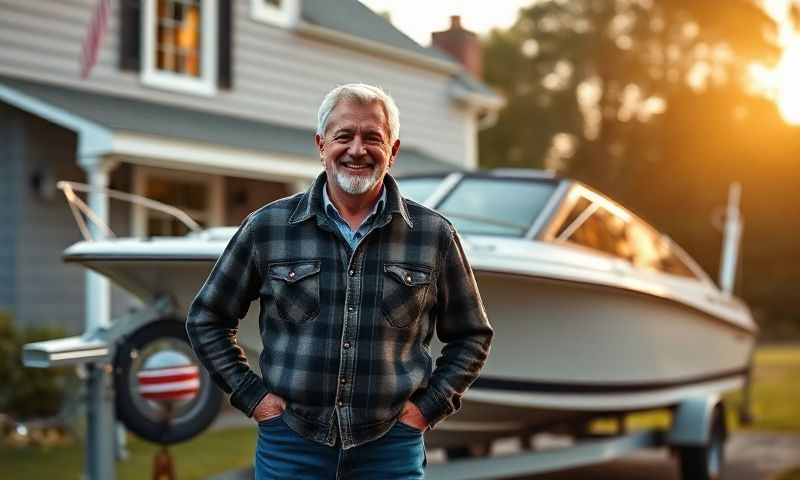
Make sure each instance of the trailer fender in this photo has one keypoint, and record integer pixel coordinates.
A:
(692, 421)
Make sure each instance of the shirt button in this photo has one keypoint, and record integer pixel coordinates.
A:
(291, 274)
(340, 403)
(343, 380)
(352, 272)
(351, 309)
(346, 345)
(408, 278)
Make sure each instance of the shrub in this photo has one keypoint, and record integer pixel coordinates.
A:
(28, 392)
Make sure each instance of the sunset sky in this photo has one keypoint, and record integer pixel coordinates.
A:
(476, 15)
(780, 83)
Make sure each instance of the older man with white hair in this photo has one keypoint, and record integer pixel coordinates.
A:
(353, 281)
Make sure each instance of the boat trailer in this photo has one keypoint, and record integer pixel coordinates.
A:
(697, 435)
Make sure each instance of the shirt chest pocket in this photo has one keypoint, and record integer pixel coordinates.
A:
(405, 292)
(295, 290)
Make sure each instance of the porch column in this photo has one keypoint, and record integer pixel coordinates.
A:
(98, 290)
(100, 408)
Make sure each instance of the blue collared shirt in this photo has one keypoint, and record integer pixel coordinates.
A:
(351, 236)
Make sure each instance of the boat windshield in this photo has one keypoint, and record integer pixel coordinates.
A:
(600, 225)
(418, 188)
(496, 206)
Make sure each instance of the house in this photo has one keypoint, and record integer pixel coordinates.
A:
(208, 105)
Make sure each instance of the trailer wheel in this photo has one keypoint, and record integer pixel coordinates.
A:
(705, 463)
(140, 415)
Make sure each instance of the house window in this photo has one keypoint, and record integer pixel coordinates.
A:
(180, 42)
(278, 12)
(199, 196)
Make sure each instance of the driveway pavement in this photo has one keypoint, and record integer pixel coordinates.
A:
(749, 456)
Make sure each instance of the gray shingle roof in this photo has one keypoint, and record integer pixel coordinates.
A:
(354, 18)
(144, 117)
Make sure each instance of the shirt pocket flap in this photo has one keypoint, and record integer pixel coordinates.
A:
(408, 276)
(295, 271)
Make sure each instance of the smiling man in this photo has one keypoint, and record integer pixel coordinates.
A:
(353, 282)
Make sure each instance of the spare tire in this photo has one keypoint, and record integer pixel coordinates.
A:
(144, 417)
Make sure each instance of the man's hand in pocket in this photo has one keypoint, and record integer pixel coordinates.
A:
(413, 417)
(269, 407)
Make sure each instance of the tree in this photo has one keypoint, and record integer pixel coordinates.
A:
(651, 102)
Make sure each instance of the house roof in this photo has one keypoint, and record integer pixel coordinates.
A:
(131, 115)
(354, 18)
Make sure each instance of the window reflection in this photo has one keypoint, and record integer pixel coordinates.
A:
(418, 189)
(178, 38)
(493, 206)
(190, 197)
(598, 228)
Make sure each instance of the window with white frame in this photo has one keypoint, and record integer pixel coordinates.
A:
(180, 43)
(198, 195)
(278, 12)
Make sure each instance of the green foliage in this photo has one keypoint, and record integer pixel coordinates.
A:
(652, 104)
(28, 392)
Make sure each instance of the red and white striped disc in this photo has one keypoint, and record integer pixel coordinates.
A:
(169, 375)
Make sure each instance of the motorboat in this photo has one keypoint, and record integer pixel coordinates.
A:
(595, 312)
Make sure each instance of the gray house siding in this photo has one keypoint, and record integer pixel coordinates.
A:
(48, 293)
(278, 76)
(10, 158)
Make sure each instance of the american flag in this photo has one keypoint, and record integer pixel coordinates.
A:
(94, 37)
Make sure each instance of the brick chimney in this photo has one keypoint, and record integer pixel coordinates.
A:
(462, 45)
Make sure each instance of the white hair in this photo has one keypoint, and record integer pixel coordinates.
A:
(363, 94)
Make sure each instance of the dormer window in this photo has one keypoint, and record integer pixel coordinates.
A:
(283, 13)
(180, 45)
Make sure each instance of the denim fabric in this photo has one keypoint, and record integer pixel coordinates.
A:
(283, 454)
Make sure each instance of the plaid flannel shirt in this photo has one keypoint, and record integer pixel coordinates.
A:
(346, 334)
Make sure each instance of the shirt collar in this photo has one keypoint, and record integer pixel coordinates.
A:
(333, 212)
(311, 202)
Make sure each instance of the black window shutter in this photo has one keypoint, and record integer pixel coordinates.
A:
(130, 26)
(225, 45)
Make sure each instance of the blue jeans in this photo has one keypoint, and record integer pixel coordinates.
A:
(282, 454)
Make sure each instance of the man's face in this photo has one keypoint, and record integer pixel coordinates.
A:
(356, 150)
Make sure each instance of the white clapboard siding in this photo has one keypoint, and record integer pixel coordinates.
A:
(278, 76)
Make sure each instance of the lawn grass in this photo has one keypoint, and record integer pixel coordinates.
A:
(776, 391)
(775, 397)
(776, 406)
(212, 453)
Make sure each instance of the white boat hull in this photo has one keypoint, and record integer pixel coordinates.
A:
(565, 351)
(567, 346)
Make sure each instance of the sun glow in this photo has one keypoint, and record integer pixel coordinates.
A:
(787, 90)
(782, 82)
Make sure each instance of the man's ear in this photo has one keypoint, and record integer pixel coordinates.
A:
(395, 149)
(320, 144)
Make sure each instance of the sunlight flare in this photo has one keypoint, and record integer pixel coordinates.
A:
(788, 78)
